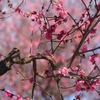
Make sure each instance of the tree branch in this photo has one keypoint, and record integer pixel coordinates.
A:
(14, 58)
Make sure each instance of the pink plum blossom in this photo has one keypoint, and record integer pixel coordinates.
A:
(9, 94)
(93, 31)
(18, 98)
(81, 72)
(63, 71)
(84, 48)
(92, 57)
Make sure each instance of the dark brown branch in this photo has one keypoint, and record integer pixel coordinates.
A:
(5, 65)
(91, 50)
(35, 72)
(83, 39)
(14, 58)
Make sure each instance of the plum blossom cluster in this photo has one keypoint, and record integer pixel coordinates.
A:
(84, 48)
(86, 85)
(46, 28)
(93, 57)
(77, 96)
(17, 97)
(61, 9)
(11, 95)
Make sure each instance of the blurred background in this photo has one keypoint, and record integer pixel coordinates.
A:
(18, 30)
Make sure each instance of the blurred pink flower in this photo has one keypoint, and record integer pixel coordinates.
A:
(47, 52)
(93, 31)
(77, 96)
(92, 57)
(53, 27)
(75, 68)
(33, 17)
(83, 48)
(62, 13)
(81, 72)
(40, 14)
(98, 5)
(48, 72)
(31, 80)
(8, 94)
(48, 36)
(19, 98)
(59, 6)
(88, 40)
(63, 71)
(62, 33)
(78, 87)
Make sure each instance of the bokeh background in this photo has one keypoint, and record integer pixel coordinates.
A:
(16, 31)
